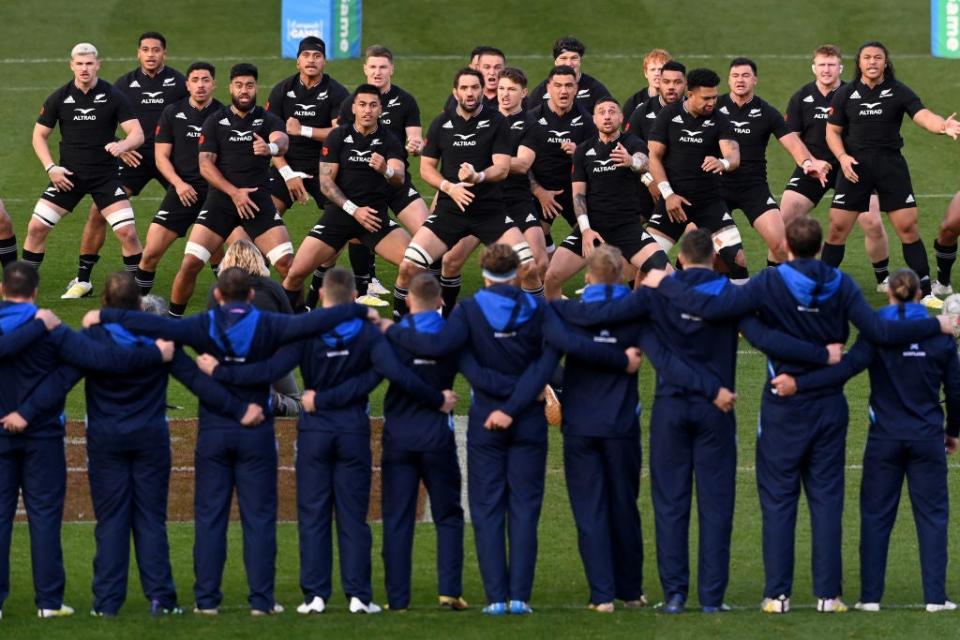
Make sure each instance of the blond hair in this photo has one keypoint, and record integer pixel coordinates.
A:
(605, 265)
(243, 254)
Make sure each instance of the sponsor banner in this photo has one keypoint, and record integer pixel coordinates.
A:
(337, 22)
(945, 28)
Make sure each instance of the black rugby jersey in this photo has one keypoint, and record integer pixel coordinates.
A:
(315, 107)
(753, 124)
(180, 125)
(589, 90)
(231, 138)
(399, 111)
(807, 114)
(689, 140)
(148, 97)
(516, 188)
(549, 131)
(88, 122)
(643, 117)
(351, 150)
(871, 118)
(613, 192)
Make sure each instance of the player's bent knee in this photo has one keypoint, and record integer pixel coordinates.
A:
(121, 218)
(46, 215)
(665, 243)
(417, 256)
(275, 255)
(727, 237)
(523, 251)
(197, 251)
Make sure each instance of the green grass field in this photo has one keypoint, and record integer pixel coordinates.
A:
(431, 40)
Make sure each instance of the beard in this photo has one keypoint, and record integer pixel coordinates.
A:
(240, 107)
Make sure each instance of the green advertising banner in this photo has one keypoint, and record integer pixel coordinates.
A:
(347, 22)
(945, 28)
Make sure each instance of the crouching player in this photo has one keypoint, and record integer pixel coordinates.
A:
(906, 439)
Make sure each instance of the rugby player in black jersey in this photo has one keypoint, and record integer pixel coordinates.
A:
(557, 127)
(399, 114)
(88, 110)
(568, 52)
(148, 88)
(355, 162)
(606, 189)
(863, 132)
(175, 147)
(466, 155)
(754, 121)
(235, 147)
(690, 145)
(8, 241)
(806, 115)
(308, 103)
(653, 63)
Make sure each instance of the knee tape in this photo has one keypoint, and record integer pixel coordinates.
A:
(282, 249)
(417, 255)
(198, 251)
(665, 243)
(120, 218)
(727, 237)
(46, 214)
(657, 261)
(523, 251)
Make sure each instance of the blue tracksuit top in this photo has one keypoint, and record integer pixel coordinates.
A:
(33, 367)
(353, 356)
(235, 333)
(502, 328)
(905, 381)
(129, 411)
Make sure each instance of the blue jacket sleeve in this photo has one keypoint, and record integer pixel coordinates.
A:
(207, 390)
(573, 342)
(189, 330)
(779, 345)
(533, 382)
(96, 355)
(50, 392)
(628, 308)
(489, 381)
(675, 369)
(951, 389)
(347, 392)
(20, 338)
(289, 328)
(386, 362)
(884, 332)
(855, 361)
(261, 372)
(435, 345)
(733, 300)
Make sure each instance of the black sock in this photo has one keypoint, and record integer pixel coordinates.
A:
(316, 283)
(435, 269)
(8, 250)
(216, 269)
(359, 261)
(772, 264)
(372, 268)
(33, 259)
(881, 269)
(144, 280)
(735, 272)
(85, 270)
(177, 309)
(536, 293)
(399, 302)
(130, 263)
(677, 265)
(946, 256)
(915, 255)
(362, 283)
(548, 238)
(449, 291)
(295, 297)
(832, 254)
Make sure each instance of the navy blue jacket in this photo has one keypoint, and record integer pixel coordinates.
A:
(348, 352)
(235, 333)
(502, 327)
(129, 411)
(905, 381)
(711, 344)
(804, 298)
(32, 368)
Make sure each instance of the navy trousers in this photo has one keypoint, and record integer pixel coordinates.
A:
(506, 470)
(885, 464)
(802, 442)
(692, 439)
(245, 459)
(333, 476)
(129, 492)
(603, 482)
(38, 466)
(402, 473)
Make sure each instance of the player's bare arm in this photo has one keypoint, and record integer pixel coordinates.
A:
(246, 208)
(163, 152)
(933, 123)
(58, 175)
(729, 160)
(835, 143)
(133, 139)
